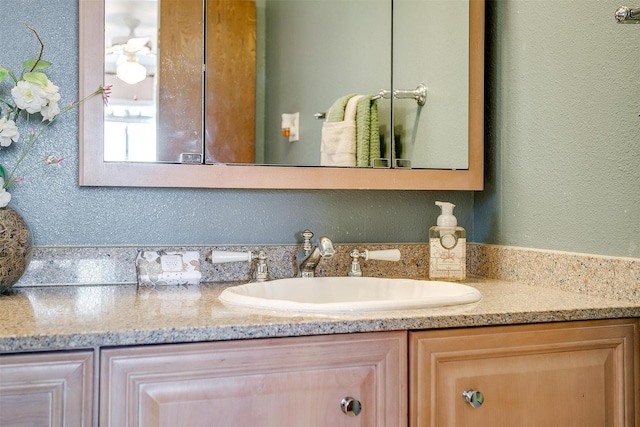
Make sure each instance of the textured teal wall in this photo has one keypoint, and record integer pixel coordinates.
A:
(563, 151)
(60, 213)
(563, 145)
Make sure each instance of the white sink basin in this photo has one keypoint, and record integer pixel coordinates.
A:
(333, 294)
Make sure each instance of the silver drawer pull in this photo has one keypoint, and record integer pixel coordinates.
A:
(351, 406)
(473, 397)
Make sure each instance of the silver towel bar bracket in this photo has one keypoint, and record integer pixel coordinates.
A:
(626, 15)
(419, 94)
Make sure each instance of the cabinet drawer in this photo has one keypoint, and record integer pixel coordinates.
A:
(273, 382)
(564, 374)
(47, 389)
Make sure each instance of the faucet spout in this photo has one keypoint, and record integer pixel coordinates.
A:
(326, 247)
(310, 254)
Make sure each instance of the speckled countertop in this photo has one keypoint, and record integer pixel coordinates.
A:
(71, 317)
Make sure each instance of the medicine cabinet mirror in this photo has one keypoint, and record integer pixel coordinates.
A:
(245, 103)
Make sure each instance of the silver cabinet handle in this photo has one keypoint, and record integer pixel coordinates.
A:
(473, 397)
(351, 406)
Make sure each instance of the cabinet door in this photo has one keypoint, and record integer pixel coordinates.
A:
(562, 374)
(268, 382)
(47, 389)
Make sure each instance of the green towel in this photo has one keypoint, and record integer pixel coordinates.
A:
(336, 112)
(367, 132)
(374, 144)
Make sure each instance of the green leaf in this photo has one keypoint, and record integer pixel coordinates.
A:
(29, 64)
(4, 73)
(37, 78)
(3, 172)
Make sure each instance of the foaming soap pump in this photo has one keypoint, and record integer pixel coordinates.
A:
(448, 246)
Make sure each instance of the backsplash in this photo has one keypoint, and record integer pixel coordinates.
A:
(604, 276)
(116, 265)
(610, 277)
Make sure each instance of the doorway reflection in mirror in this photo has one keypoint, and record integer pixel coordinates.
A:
(131, 29)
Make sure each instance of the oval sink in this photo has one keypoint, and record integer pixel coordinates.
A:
(331, 294)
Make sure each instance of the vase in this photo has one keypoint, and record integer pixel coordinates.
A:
(15, 247)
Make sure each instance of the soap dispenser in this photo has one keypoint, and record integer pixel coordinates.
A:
(447, 246)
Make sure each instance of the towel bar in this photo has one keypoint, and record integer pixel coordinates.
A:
(384, 93)
(419, 94)
(625, 15)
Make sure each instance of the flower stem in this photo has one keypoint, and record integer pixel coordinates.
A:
(41, 47)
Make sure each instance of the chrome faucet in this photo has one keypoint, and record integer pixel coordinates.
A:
(310, 254)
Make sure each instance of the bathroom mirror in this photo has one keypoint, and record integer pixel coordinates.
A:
(95, 171)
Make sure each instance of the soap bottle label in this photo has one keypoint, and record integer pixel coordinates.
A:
(448, 257)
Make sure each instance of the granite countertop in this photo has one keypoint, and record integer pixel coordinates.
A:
(74, 317)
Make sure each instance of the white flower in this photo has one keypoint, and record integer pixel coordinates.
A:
(52, 109)
(8, 132)
(5, 196)
(29, 96)
(32, 93)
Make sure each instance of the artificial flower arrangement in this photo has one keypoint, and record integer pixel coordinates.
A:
(32, 94)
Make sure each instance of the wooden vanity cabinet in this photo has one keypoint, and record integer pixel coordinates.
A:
(262, 382)
(46, 389)
(559, 374)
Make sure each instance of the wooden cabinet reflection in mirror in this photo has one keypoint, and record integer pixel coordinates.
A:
(230, 85)
(137, 130)
(229, 82)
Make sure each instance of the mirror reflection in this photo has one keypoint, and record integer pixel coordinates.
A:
(287, 82)
(130, 67)
(431, 43)
(312, 54)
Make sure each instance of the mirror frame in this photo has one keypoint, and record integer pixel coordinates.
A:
(93, 171)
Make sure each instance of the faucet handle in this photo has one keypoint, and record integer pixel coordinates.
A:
(261, 273)
(307, 235)
(354, 268)
(221, 257)
(383, 255)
